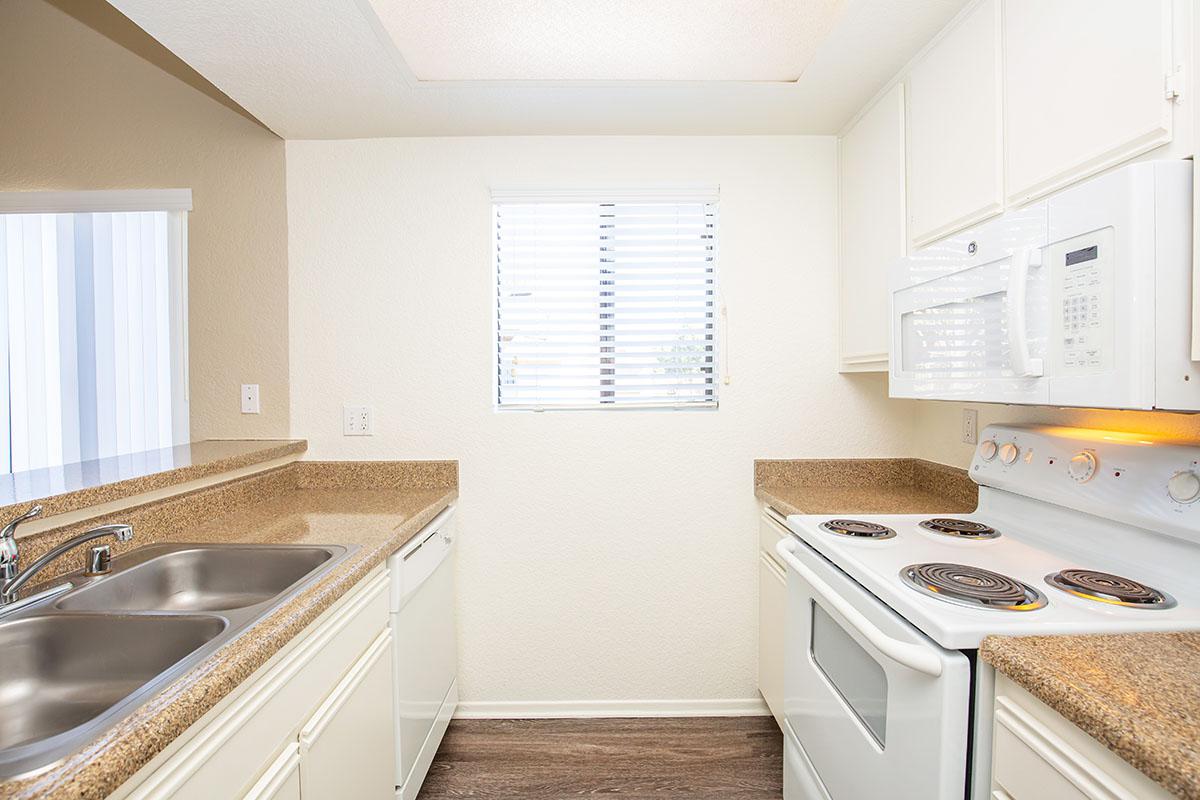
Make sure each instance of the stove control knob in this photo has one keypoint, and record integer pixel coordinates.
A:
(1184, 486)
(987, 450)
(1009, 452)
(1082, 466)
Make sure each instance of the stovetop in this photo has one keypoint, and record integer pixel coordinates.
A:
(877, 564)
(1047, 521)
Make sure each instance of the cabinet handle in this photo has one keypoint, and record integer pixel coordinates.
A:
(338, 697)
(279, 771)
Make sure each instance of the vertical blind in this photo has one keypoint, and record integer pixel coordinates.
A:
(92, 339)
(606, 304)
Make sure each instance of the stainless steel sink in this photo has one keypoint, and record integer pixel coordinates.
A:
(61, 670)
(200, 578)
(73, 668)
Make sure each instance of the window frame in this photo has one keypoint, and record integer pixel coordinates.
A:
(697, 195)
(177, 203)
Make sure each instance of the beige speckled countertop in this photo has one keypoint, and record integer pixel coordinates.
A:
(1138, 694)
(77, 486)
(378, 506)
(863, 486)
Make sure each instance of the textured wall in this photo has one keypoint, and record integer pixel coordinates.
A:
(605, 555)
(88, 101)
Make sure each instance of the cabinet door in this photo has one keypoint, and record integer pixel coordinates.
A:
(348, 747)
(871, 161)
(1084, 88)
(1038, 754)
(772, 613)
(954, 129)
(281, 781)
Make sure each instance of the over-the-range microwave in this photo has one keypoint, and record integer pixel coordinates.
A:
(1081, 299)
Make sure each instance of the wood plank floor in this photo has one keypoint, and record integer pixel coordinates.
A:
(711, 758)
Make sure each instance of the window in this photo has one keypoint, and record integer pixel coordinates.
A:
(605, 301)
(93, 335)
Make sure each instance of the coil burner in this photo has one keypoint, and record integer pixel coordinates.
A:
(972, 587)
(962, 528)
(1104, 587)
(858, 529)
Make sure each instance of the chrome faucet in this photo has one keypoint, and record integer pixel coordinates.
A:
(8, 544)
(10, 587)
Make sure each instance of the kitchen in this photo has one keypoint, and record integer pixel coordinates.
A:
(337, 182)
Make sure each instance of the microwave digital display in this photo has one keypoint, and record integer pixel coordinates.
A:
(1080, 256)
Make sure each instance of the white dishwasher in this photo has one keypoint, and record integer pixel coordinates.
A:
(426, 654)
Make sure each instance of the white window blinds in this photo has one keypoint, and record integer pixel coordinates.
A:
(92, 341)
(605, 304)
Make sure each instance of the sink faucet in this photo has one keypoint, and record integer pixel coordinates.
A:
(8, 544)
(12, 585)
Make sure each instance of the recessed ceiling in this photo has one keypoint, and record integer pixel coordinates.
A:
(607, 40)
(330, 69)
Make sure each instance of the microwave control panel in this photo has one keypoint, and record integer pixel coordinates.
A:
(1082, 303)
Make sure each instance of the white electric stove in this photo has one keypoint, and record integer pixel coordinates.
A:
(1077, 531)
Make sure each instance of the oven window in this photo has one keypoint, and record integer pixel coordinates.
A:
(852, 671)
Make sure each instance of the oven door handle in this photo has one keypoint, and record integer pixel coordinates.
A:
(913, 656)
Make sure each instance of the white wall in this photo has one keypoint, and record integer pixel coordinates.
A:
(605, 555)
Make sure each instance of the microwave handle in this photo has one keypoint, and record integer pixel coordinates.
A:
(913, 656)
(1018, 340)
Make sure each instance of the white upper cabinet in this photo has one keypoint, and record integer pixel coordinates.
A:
(954, 128)
(1085, 88)
(871, 159)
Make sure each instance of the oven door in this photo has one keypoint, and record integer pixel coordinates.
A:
(970, 315)
(877, 708)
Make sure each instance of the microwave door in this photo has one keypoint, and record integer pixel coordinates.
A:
(972, 325)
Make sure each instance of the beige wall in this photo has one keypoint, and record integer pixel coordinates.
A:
(608, 559)
(937, 431)
(88, 101)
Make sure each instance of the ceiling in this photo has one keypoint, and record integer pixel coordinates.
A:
(335, 69)
(587, 40)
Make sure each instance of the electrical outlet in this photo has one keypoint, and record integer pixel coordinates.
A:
(250, 398)
(970, 426)
(356, 421)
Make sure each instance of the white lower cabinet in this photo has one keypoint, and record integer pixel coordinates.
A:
(348, 747)
(1037, 754)
(772, 611)
(316, 720)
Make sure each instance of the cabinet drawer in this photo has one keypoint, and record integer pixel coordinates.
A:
(1023, 774)
(1037, 754)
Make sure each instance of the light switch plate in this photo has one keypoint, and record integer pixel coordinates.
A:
(356, 421)
(970, 426)
(250, 398)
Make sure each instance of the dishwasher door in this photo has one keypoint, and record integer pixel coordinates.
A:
(426, 654)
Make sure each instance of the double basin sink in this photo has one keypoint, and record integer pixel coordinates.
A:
(76, 665)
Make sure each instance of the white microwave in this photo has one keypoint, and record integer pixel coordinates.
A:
(1082, 299)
